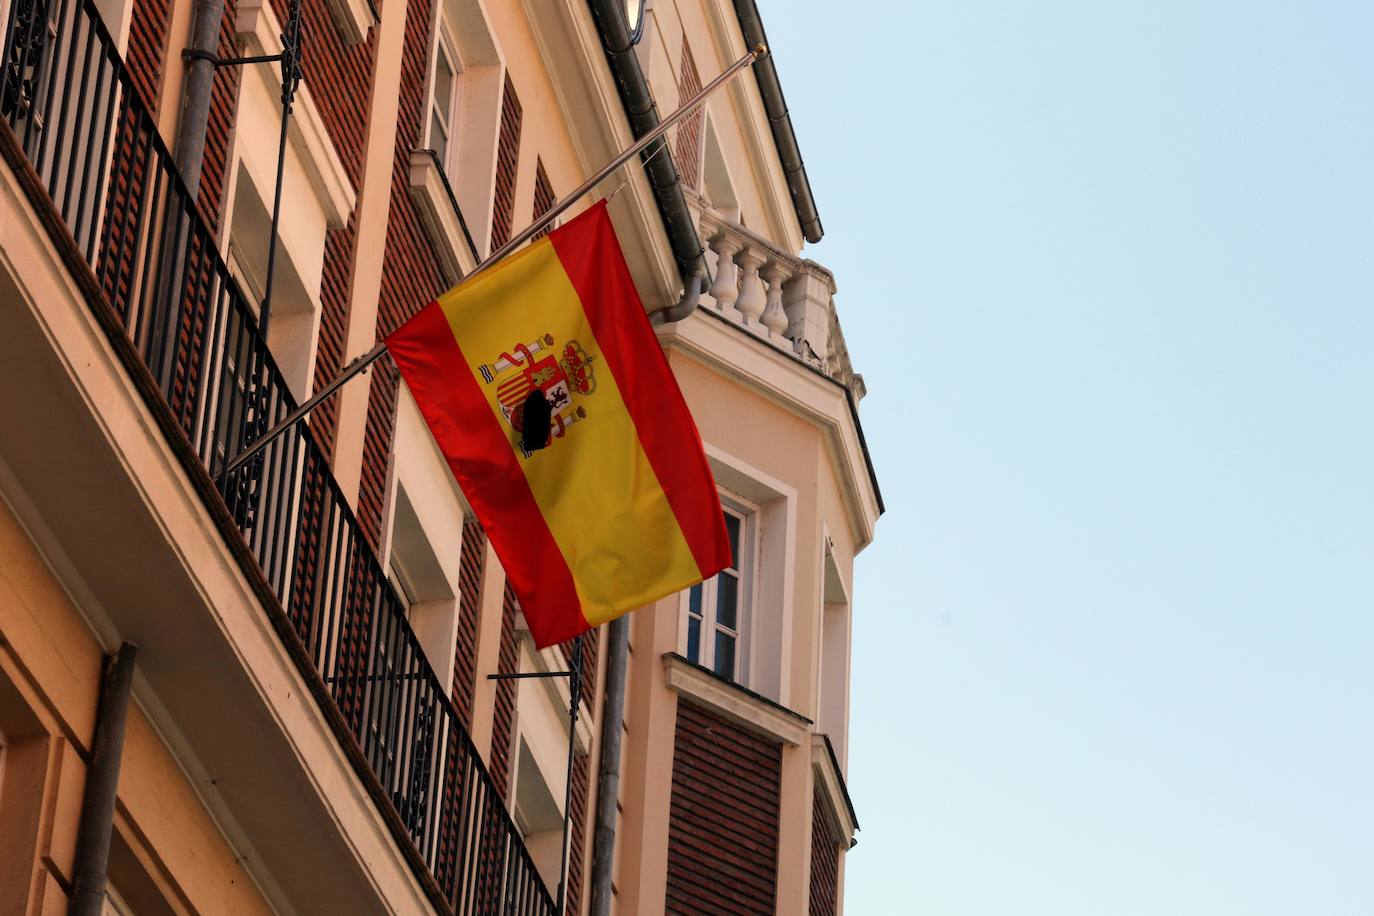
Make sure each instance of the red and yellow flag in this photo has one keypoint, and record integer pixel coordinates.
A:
(620, 509)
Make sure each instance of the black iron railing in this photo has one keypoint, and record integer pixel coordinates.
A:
(69, 102)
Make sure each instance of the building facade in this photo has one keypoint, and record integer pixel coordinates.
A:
(310, 725)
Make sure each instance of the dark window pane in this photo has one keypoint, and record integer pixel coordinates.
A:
(694, 600)
(693, 639)
(727, 600)
(443, 82)
(437, 140)
(732, 529)
(725, 655)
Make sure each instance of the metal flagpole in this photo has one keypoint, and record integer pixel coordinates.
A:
(371, 356)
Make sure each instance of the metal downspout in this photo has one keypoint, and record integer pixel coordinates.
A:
(195, 93)
(608, 771)
(692, 289)
(780, 122)
(102, 783)
(638, 102)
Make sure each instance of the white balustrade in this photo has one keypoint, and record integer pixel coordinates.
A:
(783, 299)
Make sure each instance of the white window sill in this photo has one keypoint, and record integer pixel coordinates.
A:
(353, 19)
(257, 26)
(439, 213)
(743, 707)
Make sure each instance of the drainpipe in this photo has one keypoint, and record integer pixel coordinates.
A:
(638, 102)
(691, 295)
(102, 783)
(608, 772)
(780, 122)
(195, 97)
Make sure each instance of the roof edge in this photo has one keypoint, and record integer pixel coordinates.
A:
(780, 122)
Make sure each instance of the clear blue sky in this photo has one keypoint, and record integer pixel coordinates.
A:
(1107, 269)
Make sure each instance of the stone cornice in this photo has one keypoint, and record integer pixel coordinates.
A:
(742, 706)
(831, 783)
(441, 217)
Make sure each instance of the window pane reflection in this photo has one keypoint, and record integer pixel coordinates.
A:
(728, 601)
(725, 655)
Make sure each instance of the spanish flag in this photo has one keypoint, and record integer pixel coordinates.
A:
(619, 508)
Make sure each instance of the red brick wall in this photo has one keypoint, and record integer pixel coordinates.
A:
(470, 563)
(581, 764)
(503, 724)
(723, 818)
(411, 276)
(147, 45)
(581, 773)
(543, 195)
(688, 152)
(219, 129)
(825, 859)
(131, 160)
(507, 160)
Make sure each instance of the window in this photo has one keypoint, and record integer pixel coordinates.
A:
(717, 618)
(444, 99)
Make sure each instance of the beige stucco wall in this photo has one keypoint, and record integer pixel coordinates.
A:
(51, 670)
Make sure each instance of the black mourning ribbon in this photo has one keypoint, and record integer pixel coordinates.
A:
(538, 422)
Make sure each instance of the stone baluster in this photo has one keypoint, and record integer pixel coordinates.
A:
(725, 289)
(775, 273)
(752, 298)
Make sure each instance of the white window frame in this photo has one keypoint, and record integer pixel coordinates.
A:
(746, 570)
(445, 44)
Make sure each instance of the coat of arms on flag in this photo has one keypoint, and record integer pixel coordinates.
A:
(565, 379)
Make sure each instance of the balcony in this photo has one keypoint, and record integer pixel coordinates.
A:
(785, 300)
(88, 157)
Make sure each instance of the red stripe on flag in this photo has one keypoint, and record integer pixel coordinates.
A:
(482, 458)
(591, 257)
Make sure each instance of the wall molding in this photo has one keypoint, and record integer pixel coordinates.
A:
(258, 28)
(696, 685)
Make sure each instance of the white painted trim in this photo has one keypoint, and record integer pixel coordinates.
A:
(352, 18)
(831, 783)
(775, 567)
(696, 686)
(439, 217)
(260, 32)
(747, 606)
